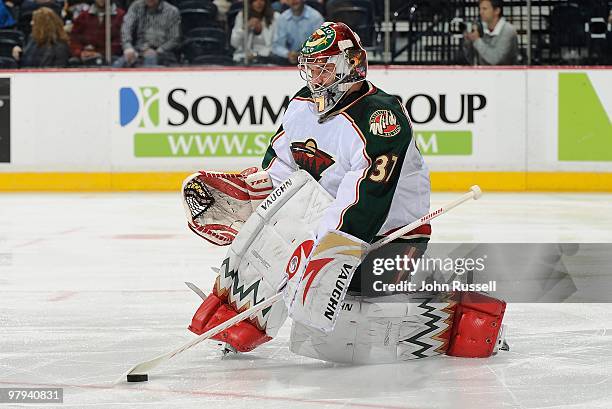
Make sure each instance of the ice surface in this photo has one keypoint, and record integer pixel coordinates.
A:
(91, 284)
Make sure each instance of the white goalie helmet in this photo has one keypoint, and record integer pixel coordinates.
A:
(331, 61)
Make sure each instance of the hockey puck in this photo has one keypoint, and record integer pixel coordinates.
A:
(138, 377)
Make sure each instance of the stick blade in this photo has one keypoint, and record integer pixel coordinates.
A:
(142, 368)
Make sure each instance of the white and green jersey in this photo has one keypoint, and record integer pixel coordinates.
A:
(364, 155)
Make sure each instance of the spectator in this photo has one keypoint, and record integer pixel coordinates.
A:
(48, 44)
(150, 34)
(73, 10)
(6, 17)
(88, 36)
(223, 7)
(280, 5)
(498, 43)
(260, 31)
(294, 26)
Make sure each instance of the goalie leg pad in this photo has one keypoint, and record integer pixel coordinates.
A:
(253, 269)
(404, 327)
(477, 325)
(377, 331)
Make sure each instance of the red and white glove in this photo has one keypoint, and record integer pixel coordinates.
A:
(217, 204)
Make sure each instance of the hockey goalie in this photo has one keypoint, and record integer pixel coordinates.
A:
(342, 172)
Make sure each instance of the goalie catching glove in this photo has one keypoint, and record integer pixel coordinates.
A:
(217, 204)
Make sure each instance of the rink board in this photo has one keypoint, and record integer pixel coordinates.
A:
(505, 129)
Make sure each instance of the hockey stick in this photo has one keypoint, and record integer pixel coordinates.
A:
(474, 193)
(144, 367)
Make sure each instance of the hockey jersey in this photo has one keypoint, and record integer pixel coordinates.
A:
(363, 154)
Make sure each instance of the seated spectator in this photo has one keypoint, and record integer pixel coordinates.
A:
(260, 31)
(293, 27)
(150, 34)
(72, 10)
(498, 44)
(48, 44)
(6, 17)
(88, 36)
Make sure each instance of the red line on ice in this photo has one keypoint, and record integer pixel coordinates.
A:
(62, 296)
(331, 402)
(143, 236)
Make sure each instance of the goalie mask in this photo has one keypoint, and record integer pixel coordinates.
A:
(331, 61)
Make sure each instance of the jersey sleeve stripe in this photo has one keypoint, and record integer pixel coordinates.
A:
(365, 172)
(270, 155)
(277, 137)
(269, 165)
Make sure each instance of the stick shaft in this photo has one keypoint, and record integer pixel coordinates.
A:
(145, 367)
(417, 223)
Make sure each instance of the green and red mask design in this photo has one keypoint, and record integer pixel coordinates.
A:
(321, 40)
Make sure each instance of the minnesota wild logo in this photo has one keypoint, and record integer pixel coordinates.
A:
(384, 123)
(320, 40)
(310, 158)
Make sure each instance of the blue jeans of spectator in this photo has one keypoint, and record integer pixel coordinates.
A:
(146, 61)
